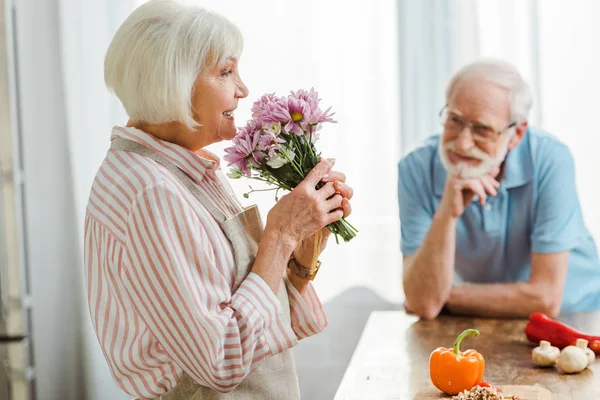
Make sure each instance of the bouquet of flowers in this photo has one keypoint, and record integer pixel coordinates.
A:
(277, 145)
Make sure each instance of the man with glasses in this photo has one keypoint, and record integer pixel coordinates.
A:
(491, 221)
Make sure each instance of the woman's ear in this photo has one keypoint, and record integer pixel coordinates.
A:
(520, 131)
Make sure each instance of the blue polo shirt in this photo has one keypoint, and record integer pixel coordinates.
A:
(536, 210)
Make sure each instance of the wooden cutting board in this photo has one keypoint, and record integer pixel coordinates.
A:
(525, 392)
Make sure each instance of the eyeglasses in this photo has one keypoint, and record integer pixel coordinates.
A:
(482, 133)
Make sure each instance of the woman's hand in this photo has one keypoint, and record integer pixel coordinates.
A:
(306, 210)
(304, 251)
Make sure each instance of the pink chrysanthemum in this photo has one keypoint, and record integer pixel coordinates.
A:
(244, 149)
(270, 109)
(278, 145)
(269, 143)
(304, 110)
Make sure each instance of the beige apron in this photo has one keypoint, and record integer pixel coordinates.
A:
(275, 378)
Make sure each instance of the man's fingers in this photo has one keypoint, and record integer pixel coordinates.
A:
(477, 188)
(489, 187)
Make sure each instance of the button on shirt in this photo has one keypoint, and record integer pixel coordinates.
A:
(160, 272)
(536, 210)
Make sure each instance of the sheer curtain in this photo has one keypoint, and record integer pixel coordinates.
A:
(86, 27)
(552, 44)
(569, 65)
(347, 50)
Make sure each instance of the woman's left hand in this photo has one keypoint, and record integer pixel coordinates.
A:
(304, 252)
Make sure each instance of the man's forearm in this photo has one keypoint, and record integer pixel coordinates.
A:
(500, 300)
(428, 279)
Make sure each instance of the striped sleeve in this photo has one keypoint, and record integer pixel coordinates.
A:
(173, 281)
(307, 315)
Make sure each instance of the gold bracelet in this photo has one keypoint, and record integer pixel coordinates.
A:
(301, 271)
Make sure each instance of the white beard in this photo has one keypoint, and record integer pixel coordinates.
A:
(465, 170)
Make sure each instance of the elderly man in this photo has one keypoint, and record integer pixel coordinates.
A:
(491, 221)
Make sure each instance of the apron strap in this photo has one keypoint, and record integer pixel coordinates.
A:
(138, 148)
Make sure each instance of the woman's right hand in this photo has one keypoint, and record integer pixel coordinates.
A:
(307, 210)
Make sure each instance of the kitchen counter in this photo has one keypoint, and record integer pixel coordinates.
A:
(391, 360)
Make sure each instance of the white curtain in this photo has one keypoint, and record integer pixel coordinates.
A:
(347, 50)
(435, 35)
(86, 27)
(569, 80)
(551, 42)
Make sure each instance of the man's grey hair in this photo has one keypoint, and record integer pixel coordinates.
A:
(157, 54)
(502, 74)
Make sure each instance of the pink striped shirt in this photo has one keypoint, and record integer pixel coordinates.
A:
(160, 273)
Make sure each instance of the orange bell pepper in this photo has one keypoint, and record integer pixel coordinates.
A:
(453, 371)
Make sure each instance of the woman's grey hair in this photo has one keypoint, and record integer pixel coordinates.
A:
(502, 74)
(158, 52)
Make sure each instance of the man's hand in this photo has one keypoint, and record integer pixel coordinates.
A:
(459, 192)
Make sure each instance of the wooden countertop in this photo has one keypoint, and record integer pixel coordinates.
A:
(391, 360)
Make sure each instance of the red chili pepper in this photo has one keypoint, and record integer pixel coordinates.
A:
(487, 384)
(542, 327)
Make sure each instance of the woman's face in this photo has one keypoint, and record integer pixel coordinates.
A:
(215, 97)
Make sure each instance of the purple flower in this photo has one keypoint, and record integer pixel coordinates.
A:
(270, 109)
(298, 109)
(265, 140)
(244, 148)
(269, 143)
(304, 110)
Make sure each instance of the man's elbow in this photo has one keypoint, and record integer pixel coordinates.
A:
(550, 307)
(547, 302)
(424, 310)
(430, 313)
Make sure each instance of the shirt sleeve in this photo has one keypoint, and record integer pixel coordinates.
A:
(558, 222)
(172, 278)
(307, 315)
(413, 201)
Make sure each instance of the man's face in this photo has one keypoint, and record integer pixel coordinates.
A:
(470, 145)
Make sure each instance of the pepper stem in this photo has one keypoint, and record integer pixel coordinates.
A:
(460, 338)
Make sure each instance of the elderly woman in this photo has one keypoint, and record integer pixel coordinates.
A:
(189, 296)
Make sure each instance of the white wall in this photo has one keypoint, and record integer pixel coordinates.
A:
(569, 65)
(50, 226)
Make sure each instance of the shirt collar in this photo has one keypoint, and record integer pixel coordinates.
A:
(189, 162)
(518, 169)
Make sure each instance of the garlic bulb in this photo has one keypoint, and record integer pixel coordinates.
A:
(545, 355)
(583, 345)
(572, 359)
